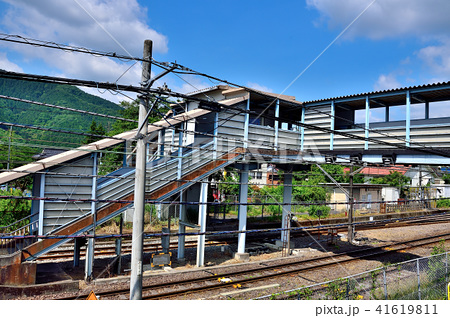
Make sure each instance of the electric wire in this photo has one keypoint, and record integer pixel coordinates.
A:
(222, 81)
(85, 112)
(136, 89)
(23, 40)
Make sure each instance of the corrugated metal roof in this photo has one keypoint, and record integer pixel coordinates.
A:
(433, 92)
(208, 89)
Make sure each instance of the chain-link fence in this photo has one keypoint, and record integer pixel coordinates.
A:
(421, 279)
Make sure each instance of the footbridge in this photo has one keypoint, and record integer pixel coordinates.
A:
(244, 129)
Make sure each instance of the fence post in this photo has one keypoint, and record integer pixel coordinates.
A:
(385, 284)
(418, 279)
(348, 289)
(446, 267)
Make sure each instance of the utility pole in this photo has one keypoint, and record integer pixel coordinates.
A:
(139, 186)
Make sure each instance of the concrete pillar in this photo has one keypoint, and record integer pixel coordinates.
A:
(182, 229)
(137, 246)
(242, 215)
(202, 211)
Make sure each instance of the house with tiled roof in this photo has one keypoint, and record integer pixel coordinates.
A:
(419, 175)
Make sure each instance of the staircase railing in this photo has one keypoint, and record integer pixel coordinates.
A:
(13, 240)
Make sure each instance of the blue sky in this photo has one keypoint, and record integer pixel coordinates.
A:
(260, 44)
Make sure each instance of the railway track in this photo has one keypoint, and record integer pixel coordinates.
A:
(263, 271)
(104, 250)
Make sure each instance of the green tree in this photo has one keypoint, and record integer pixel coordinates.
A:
(446, 178)
(13, 153)
(394, 179)
(12, 210)
(94, 129)
(113, 159)
(307, 185)
(228, 184)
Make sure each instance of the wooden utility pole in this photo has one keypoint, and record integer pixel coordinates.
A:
(139, 187)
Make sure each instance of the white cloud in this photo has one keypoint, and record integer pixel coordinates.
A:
(105, 25)
(7, 65)
(85, 23)
(385, 19)
(190, 84)
(259, 87)
(437, 59)
(386, 82)
(426, 21)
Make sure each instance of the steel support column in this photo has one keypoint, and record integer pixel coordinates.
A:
(182, 227)
(287, 200)
(246, 122)
(161, 138)
(180, 153)
(332, 125)
(408, 119)
(216, 130)
(127, 158)
(89, 260)
(242, 214)
(41, 205)
(302, 130)
(276, 124)
(77, 243)
(366, 127)
(202, 211)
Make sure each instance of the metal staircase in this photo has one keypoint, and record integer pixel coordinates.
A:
(73, 194)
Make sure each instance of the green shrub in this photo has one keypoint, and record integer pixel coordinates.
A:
(443, 203)
(321, 211)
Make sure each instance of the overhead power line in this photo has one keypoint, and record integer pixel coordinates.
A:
(66, 108)
(146, 91)
(67, 48)
(58, 131)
